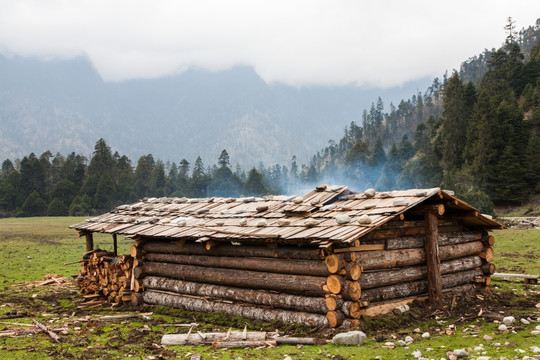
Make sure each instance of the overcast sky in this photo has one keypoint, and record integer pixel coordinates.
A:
(374, 43)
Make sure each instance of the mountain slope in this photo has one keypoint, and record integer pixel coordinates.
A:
(64, 106)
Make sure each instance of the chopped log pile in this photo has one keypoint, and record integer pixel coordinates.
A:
(324, 259)
(105, 277)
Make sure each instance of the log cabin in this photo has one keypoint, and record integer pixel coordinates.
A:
(322, 259)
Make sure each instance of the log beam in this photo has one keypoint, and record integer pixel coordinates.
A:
(487, 254)
(333, 302)
(274, 265)
(388, 306)
(437, 209)
(411, 288)
(374, 279)
(115, 245)
(190, 248)
(433, 260)
(334, 263)
(335, 318)
(384, 234)
(282, 301)
(291, 284)
(249, 312)
(387, 259)
(488, 268)
(414, 242)
(89, 241)
(209, 338)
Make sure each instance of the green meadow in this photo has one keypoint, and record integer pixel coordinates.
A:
(34, 247)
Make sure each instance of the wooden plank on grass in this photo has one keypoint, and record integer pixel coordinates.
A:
(530, 279)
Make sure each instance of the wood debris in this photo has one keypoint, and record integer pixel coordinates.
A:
(233, 339)
(48, 330)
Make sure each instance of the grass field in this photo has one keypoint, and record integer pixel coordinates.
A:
(34, 247)
(517, 251)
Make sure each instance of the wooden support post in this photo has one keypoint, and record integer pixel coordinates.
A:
(115, 245)
(89, 241)
(432, 257)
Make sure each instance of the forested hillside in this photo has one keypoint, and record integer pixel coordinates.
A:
(481, 141)
(479, 137)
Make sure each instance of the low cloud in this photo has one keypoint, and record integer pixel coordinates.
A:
(376, 44)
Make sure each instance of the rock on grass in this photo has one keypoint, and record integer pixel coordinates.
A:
(349, 338)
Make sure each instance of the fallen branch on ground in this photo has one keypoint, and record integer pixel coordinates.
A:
(233, 339)
(51, 333)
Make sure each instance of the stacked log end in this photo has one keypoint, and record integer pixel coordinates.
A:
(399, 273)
(106, 276)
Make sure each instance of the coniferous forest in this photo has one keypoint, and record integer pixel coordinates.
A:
(476, 131)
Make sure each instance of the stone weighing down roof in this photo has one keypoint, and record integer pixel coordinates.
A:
(315, 217)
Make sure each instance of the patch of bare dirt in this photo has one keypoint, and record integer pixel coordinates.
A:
(41, 239)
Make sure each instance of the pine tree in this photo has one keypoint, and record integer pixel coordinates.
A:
(34, 205)
(123, 179)
(102, 159)
(80, 206)
(64, 191)
(143, 176)
(32, 177)
(8, 197)
(199, 180)
(57, 208)
(294, 170)
(455, 120)
(45, 160)
(198, 168)
(391, 170)
(508, 184)
(378, 156)
(312, 176)
(405, 149)
(532, 156)
(102, 162)
(157, 187)
(105, 191)
(7, 168)
(254, 185)
(223, 160)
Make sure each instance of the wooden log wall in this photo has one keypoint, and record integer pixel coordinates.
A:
(290, 280)
(320, 288)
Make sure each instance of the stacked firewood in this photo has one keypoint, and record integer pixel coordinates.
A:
(317, 287)
(102, 273)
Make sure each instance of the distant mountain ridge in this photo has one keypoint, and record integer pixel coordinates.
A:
(64, 106)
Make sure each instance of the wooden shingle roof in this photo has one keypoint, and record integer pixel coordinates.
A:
(326, 215)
